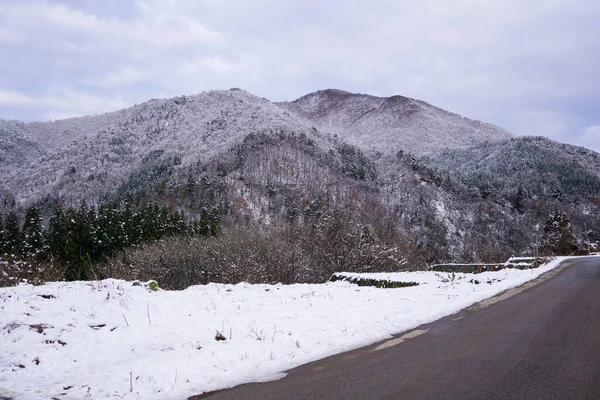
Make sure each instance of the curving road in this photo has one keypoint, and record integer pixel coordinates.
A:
(539, 341)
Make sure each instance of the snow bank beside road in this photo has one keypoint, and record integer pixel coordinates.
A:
(112, 339)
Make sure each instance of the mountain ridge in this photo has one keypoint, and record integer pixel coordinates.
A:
(187, 127)
(378, 122)
(403, 165)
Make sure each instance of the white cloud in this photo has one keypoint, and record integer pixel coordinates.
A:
(120, 78)
(47, 22)
(219, 65)
(69, 102)
(10, 36)
(15, 99)
(32, 16)
(590, 138)
(61, 103)
(524, 66)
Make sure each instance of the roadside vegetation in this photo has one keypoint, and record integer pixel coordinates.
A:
(140, 240)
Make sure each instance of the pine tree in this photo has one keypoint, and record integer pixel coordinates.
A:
(2, 239)
(76, 239)
(57, 239)
(105, 229)
(126, 234)
(150, 222)
(179, 223)
(32, 232)
(81, 251)
(518, 200)
(209, 221)
(13, 240)
(558, 235)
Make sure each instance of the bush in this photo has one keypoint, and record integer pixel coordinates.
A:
(14, 271)
(287, 255)
(233, 257)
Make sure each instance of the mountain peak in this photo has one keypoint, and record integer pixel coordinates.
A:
(391, 123)
(196, 128)
(333, 92)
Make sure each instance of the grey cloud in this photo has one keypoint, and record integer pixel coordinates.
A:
(525, 66)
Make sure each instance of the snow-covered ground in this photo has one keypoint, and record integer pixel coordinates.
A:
(113, 339)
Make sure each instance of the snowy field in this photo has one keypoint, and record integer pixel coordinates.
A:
(113, 339)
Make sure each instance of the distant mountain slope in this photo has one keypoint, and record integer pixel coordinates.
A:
(536, 166)
(16, 146)
(394, 123)
(89, 157)
(440, 186)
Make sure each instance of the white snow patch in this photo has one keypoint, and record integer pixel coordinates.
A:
(165, 340)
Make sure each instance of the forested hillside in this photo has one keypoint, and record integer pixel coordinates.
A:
(524, 168)
(394, 123)
(290, 192)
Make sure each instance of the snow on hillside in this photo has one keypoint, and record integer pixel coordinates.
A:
(16, 145)
(117, 339)
(539, 166)
(88, 157)
(392, 123)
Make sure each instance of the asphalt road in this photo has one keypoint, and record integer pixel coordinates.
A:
(540, 341)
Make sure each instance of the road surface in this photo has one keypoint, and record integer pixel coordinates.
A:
(539, 341)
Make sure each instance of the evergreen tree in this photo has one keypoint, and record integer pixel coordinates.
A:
(32, 231)
(70, 239)
(106, 229)
(126, 233)
(58, 240)
(558, 235)
(179, 223)
(81, 250)
(2, 239)
(209, 221)
(13, 239)
(150, 222)
(78, 238)
(518, 200)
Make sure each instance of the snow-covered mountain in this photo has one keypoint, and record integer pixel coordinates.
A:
(89, 157)
(449, 184)
(536, 167)
(16, 146)
(392, 123)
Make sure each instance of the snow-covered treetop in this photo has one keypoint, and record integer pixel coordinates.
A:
(391, 123)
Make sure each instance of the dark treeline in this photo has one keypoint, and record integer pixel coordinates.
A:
(307, 250)
(129, 240)
(276, 209)
(144, 241)
(78, 238)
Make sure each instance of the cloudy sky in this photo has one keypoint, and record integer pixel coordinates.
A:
(532, 67)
